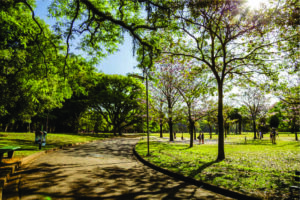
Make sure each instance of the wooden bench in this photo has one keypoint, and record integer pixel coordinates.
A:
(295, 189)
(9, 150)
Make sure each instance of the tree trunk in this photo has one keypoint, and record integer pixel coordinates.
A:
(191, 133)
(221, 152)
(190, 127)
(171, 128)
(195, 132)
(170, 113)
(6, 128)
(254, 127)
(210, 131)
(115, 132)
(240, 127)
(294, 128)
(160, 129)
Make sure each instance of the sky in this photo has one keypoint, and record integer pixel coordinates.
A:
(121, 62)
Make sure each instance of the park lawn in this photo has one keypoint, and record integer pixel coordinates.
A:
(253, 167)
(28, 147)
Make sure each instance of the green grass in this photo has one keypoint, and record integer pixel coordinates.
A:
(28, 147)
(255, 167)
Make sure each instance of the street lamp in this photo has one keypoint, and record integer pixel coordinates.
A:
(147, 102)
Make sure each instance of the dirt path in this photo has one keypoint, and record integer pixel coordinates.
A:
(100, 170)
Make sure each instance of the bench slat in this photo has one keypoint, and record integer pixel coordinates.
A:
(9, 148)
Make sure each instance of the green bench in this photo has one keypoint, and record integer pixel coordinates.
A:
(9, 150)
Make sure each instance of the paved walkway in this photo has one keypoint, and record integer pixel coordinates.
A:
(100, 170)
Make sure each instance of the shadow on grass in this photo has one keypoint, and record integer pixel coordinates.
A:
(193, 173)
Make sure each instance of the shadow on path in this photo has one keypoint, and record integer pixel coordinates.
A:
(100, 170)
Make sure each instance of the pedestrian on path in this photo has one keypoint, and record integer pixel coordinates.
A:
(199, 138)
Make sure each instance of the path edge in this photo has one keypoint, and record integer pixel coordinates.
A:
(25, 160)
(213, 188)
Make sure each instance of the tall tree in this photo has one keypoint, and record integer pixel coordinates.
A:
(116, 98)
(255, 102)
(231, 41)
(166, 82)
(290, 98)
(191, 85)
(30, 63)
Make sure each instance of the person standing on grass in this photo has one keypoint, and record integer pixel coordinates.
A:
(202, 138)
(273, 133)
(260, 135)
(199, 138)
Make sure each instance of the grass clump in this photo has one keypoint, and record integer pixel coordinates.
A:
(253, 167)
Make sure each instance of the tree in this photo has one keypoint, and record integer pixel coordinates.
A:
(157, 106)
(166, 82)
(274, 121)
(229, 40)
(190, 85)
(116, 98)
(235, 115)
(30, 65)
(255, 102)
(211, 116)
(288, 92)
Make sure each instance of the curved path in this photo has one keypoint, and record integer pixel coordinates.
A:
(101, 170)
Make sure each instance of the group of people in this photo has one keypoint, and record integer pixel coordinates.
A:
(273, 134)
(201, 138)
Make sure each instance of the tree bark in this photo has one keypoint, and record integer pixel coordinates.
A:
(160, 129)
(240, 127)
(294, 128)
(210, 131)
(254, 127)
(190, 127)
(191, 133)
(221, 152)
(195, 134)
(171, 128)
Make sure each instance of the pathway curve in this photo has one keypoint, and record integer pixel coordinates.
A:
(101, 170)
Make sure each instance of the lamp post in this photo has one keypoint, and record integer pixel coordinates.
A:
(147, 104)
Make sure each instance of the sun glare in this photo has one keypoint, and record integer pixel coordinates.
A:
(255, 4)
